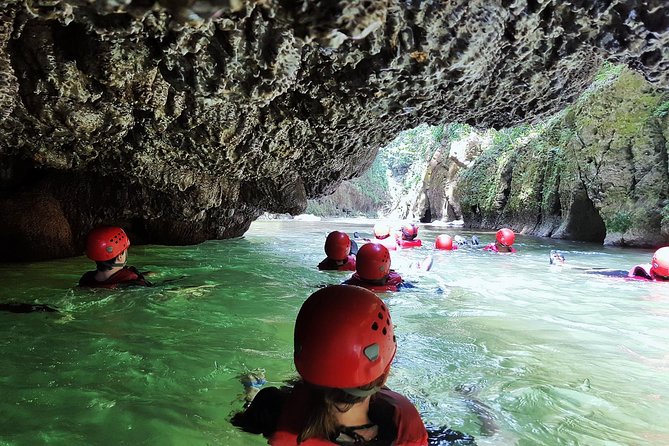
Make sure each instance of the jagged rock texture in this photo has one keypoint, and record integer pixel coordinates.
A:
(185, 129)
(598, 172)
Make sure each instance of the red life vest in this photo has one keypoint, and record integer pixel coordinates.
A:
(493, 247)
(410, 243)
(392, 283)
(126, 276)
(407, 421)
(329, 265)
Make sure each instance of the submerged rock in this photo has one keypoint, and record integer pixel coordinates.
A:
(184, 121)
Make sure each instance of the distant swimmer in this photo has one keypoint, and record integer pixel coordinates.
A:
(556, 258)
(373, 270)
(338, 251)
(445, 242)
(503, 242)
(407, 236)
(656, 271)
(382, 236)
(108, 247)
(461, 241)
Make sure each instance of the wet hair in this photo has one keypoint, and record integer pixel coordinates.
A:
(324, 404)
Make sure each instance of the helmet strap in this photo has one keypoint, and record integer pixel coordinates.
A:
(362, 393)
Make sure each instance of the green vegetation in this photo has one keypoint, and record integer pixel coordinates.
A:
(662, 110)
(619, 222)
(403, 160)
(608, 72)
(600, 153)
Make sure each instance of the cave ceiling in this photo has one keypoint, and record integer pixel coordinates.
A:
(187, 120)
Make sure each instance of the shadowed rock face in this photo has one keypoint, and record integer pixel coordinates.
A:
(184, 121)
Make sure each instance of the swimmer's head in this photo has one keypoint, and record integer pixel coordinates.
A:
(337, 245)
(381, 230)
(444, 241)
(505, 237)
(660, 263)
(344, 338)
(373, 262)
(556, 258)
(409, 231)
(106, 243)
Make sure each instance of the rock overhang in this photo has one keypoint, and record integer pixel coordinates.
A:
(186, 120)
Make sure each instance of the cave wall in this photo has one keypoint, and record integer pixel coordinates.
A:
(183, 121)
(596, 172)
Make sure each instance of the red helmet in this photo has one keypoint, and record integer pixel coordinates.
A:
(373, 261)
(444, 242)
(381, 230)
(105, 243)
(505, 236)
(409, 231)
(343, 337)
(660, 264)
(337, 245)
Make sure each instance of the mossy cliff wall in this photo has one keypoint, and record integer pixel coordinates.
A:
(598, 171)
(183, 121)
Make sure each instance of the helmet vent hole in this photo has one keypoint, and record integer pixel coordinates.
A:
(384, 331)
(381, 316)
(383, 307)
(387, 321)
(394, 339)
(375, 326)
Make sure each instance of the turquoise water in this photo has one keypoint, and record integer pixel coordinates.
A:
(559, 357)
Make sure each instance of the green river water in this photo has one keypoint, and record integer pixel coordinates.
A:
(558, 356)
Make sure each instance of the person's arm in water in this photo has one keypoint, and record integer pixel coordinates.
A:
(141, 279)
(557, 258)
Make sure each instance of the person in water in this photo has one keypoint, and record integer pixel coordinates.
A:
(372, 270)
(108, 247)
(407, 236)
(338, 252)
(503, 242)
(445, 242)
(344, 343)
(382, 236)
(656, 271)
(556, 258)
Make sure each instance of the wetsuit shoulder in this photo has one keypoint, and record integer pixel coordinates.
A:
(262, 416)
(88, 279)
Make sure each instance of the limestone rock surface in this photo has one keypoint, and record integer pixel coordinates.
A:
(597, 172)
(184, 121)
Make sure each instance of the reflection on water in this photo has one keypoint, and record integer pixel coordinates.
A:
(556, 356)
